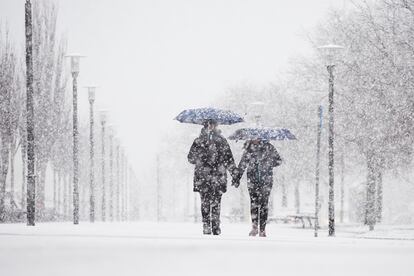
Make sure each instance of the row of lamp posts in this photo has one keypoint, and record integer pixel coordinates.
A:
(120, 159)
(115, 156)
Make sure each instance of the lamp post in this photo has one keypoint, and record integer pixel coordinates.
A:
(74, 61)
(118, 180)
(122, 185)
(30, 117)
(111, 173)
(330, 54)
(126, 181)
(91, 97)
(103, 115)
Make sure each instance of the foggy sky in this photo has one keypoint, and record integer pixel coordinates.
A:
(153, 58)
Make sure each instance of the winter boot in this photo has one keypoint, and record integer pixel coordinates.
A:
(254, 231)
(262, 234)
(206, 229)
(216, 231)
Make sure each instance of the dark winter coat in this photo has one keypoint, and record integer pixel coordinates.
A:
(212, 157)
(259, 159)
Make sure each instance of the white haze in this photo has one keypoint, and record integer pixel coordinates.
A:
(152, 59)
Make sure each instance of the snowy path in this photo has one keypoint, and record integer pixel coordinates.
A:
(178, 249)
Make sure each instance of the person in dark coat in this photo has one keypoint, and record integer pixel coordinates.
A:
(212, 157)
(259, 157)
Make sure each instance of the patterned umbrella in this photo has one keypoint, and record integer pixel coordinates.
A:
(200, 115)
(262, 134)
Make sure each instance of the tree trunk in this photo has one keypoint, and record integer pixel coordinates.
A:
(4, 164)
(71, 207)
(271, 199)
(341, 217)
(54, 190)
(284, 194)
(2, 196)
(242, 207)
(83, 193)
(40, 191)
(118, 183)
(12, 203)
(379, 197)
(65, 197)
(59, 194)
(370, 212)
(297, 198)
(23, 202)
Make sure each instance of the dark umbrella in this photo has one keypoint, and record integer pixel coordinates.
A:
(262, 134)
(200, 115)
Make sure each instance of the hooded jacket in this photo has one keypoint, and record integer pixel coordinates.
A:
(212, 157)
(259, 159)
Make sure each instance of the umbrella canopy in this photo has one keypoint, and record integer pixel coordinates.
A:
(200, 115)
(262, 134)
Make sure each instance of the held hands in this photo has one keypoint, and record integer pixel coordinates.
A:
(236, 178)
(235, 182)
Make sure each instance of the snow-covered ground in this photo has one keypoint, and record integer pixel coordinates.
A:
(179, 249)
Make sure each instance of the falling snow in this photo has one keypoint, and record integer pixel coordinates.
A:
(216, 142)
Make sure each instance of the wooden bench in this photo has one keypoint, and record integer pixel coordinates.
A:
(294, 218)
(302, 218)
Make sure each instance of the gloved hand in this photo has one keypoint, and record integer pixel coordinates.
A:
(235, 182)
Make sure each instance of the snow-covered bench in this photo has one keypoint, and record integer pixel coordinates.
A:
(302, 218)
(294, 218)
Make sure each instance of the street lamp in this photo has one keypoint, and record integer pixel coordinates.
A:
(111, 172)
(30, 117)
(91, 97)
(125, 187)
(103, 115)
(74, 61)
(331, 54)
(118, 181)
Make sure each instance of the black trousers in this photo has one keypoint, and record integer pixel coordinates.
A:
(259, 205)
(210, 211)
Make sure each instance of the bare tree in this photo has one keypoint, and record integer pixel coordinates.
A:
(375, 109)
(49, 88)
(9, 88)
